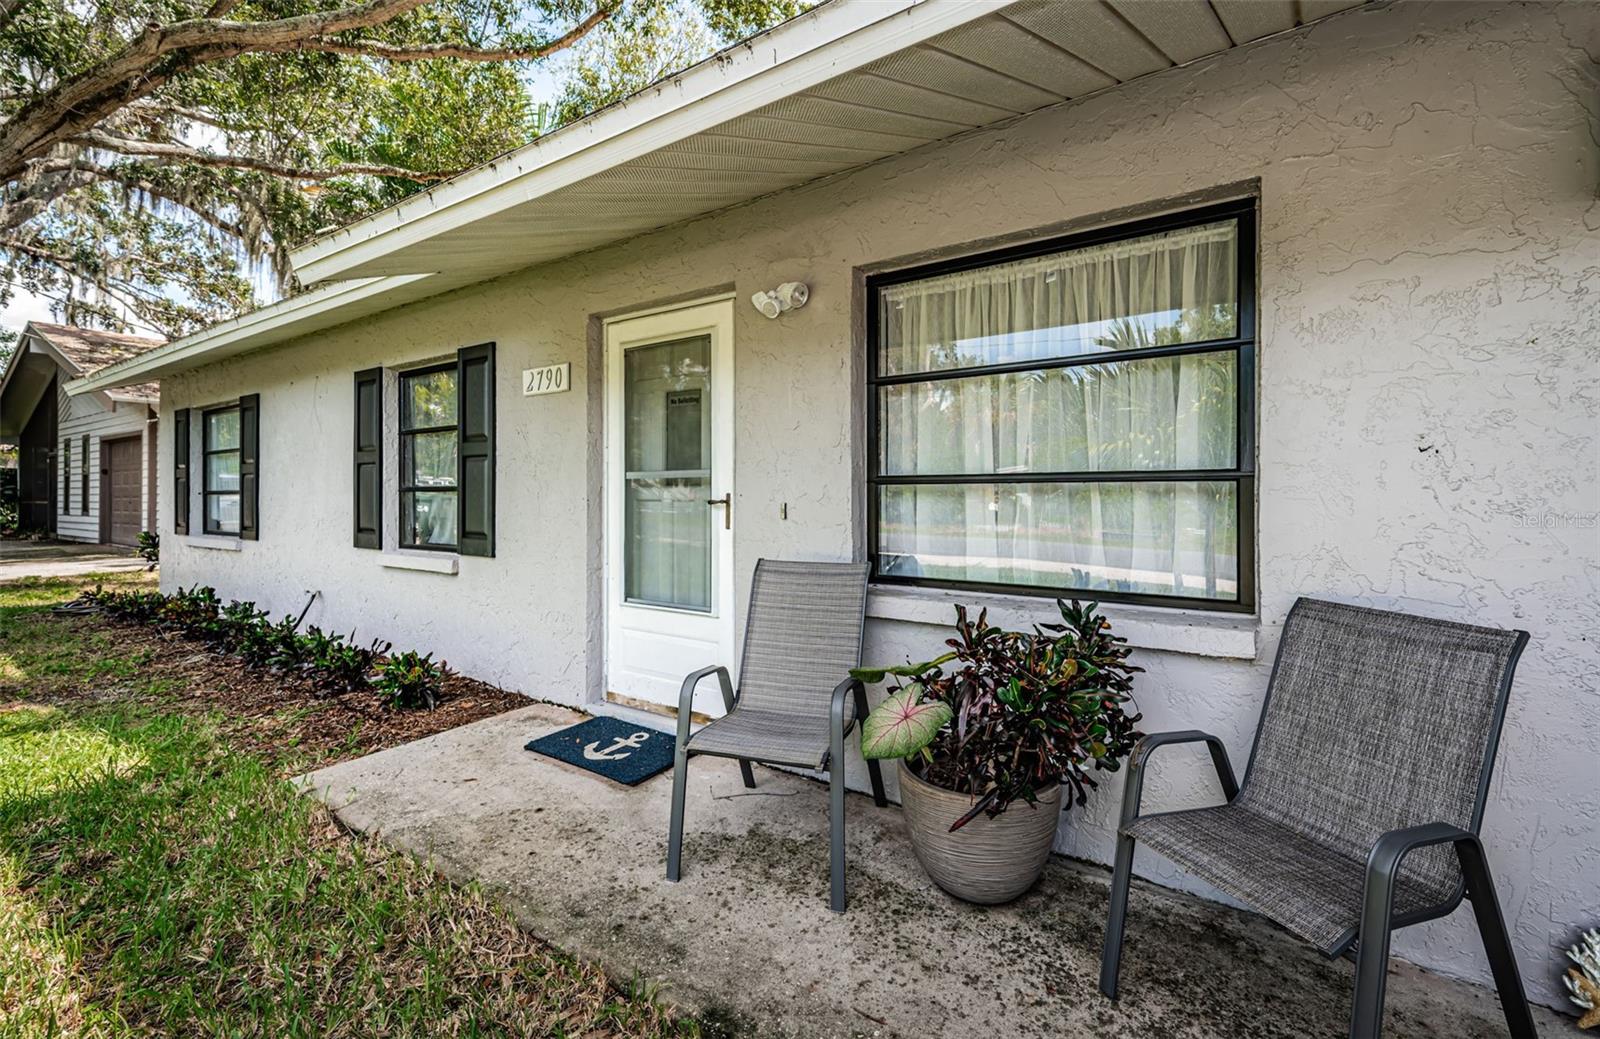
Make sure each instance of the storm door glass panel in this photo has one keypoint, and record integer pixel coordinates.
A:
(428, 458)
(667, 453)
(221, 472)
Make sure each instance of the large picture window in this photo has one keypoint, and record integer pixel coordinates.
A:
(429, 432)
(220, 448)
(1074, 417)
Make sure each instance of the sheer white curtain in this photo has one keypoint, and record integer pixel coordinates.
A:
(1151, 414)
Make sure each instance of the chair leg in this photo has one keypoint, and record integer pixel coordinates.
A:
(1372, 953)
(1496, 942)
(680, 788)
(1111, 952)
(836, 835)
(879, 798)
(749, 776)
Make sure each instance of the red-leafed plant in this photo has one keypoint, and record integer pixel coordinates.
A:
(1017, 712)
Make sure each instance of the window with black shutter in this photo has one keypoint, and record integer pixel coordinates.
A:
(368, 504)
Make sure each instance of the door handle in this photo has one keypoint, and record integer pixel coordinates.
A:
(726, 501)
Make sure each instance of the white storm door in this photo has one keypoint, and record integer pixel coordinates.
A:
(669, 502)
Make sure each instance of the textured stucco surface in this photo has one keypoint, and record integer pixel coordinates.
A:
(1429, 296)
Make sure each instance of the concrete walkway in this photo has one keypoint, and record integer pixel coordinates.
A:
(63, 559)
(747, 940)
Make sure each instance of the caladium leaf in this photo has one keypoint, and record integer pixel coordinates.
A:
(902, 725)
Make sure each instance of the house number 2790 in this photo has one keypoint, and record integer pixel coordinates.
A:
(552, 378)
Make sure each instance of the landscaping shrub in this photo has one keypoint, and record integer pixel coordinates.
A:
(409, 680)
(330, 661)
(336, 662)
(150, 548)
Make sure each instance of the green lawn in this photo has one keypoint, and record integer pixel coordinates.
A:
(158, 876)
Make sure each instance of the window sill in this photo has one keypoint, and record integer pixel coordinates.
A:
(214, 542)
(1199, 633)
(447, 563)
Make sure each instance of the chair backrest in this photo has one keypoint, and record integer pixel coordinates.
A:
(802, 635)
(1376, 720)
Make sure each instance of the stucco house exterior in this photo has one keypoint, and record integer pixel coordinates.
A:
(85, 462)
(1192, 308)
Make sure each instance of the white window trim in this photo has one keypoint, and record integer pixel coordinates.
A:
(214, 542)
(1202, 633)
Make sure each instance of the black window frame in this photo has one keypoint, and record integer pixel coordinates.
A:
(402, 527)
(1242, 345)
(206, 453)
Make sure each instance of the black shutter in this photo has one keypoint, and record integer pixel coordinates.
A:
(249, 451)
(475, 442)
(83, 481)
(369, 459)
(180, 471)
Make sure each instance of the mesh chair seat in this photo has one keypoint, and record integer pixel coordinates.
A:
(1306, 887)
(774, 737)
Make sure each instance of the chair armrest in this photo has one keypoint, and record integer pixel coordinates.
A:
(1383, 861)
(1134, 790)
(841, 696)
(686, 697)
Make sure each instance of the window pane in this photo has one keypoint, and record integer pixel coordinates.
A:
(1158, 413)
(429, 518)
(222, 472)
(428, 400)
(668, 549)
(667, 397)
(222, 513)
(1153, 538)
(222, 430)
(1157, 290)
(430, 459)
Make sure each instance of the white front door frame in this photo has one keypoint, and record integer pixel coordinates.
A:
(649, 648)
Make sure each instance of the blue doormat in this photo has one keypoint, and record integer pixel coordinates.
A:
(618, 750)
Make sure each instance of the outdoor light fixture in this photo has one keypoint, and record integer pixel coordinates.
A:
(791, 295)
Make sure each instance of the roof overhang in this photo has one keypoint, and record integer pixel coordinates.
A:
(300, 315)
(849, 83)
(22, 386)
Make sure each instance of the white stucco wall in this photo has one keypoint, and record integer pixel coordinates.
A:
(1429, 318)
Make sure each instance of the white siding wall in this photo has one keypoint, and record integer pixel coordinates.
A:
(87, 415)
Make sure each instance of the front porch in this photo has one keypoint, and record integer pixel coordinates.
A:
(747, 939)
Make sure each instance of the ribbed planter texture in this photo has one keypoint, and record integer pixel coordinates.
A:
(987, 861)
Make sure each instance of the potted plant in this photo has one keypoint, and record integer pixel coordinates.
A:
(1016, 717)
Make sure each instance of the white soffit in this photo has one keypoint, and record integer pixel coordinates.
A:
(849, 83)
(308, 312)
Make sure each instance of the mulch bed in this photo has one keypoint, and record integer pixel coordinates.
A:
(281, 717)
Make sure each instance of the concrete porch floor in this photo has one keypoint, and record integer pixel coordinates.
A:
(747, 940)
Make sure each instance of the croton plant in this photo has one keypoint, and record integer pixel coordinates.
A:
(1005, 714)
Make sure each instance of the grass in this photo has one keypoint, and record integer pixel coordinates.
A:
(157, 877)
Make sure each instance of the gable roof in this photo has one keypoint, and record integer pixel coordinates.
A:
(84, 351)
(844, 85)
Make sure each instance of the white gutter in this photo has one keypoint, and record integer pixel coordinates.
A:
(828, 41)
(275, 322)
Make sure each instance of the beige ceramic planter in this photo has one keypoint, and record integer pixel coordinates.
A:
(987, 861)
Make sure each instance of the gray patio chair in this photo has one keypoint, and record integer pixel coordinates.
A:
(796, 699)
(1360, 808)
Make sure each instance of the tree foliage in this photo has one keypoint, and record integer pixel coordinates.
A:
(159, 157)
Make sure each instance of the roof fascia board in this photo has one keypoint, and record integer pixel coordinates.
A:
(191, 351)
(842, 37)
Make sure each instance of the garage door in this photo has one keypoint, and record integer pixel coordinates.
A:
(123, 466)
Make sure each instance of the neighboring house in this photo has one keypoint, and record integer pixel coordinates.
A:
(86, 463)
(1106, 300)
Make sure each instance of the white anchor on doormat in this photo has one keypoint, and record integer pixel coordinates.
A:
(615, 752)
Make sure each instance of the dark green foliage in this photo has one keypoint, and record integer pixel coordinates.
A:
(336, 662)
(150, 548)
(330, 661)
(410, 680)
(1029, 708)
